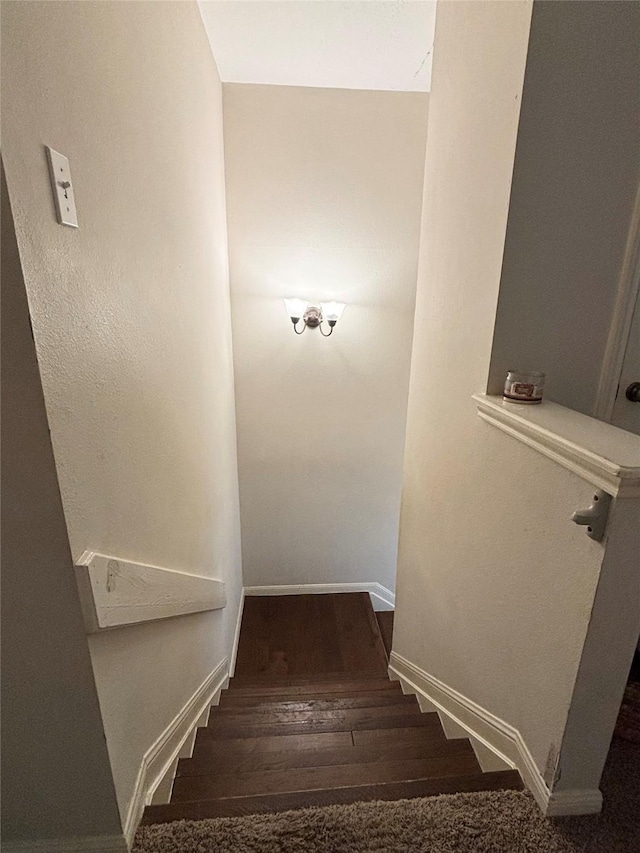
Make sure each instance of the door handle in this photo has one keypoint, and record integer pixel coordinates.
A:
(633, 392)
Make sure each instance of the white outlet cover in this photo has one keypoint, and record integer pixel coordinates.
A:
(62, 187)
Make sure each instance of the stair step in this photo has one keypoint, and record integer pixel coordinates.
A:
(237, 806)
(236, 747)
(323, 721)
(279, 741)
(204, 762)
(373, 674)
(282, 714)
(188, 788)
(309, 688)
(399, 734)
(324, 702)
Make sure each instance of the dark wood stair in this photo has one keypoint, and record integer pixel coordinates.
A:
(266, 749)
(281, 741)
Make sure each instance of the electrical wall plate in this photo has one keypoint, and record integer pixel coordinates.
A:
(60, 174)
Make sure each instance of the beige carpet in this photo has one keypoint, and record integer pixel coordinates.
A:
(493, 822)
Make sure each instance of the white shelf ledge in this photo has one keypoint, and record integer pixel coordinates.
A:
(116, 592)
(600, 453)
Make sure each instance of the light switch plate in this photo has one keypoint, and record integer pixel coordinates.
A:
(62, 188)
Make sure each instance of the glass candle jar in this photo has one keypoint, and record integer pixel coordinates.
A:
(524, 386)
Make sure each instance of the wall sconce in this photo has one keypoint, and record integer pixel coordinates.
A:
(313, 316)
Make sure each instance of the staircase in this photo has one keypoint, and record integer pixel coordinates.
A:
(273, 745)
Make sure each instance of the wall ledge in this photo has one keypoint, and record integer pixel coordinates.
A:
(603, 455)
(116, 592)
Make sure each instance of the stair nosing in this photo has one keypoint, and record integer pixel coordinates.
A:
(335, 768)
(304, 758)
(514, 783)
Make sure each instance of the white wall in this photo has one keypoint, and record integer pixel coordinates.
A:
(56, 779)
(473, 566)
(132, 321)
(324, 197)
(496, 586)
(576, 173)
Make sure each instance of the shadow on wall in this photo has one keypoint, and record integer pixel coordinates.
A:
(576, 173)
(56, 777)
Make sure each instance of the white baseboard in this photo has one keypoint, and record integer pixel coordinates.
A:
(86, 844)
(496, 735)
(487, 758)
(565, 803)
(236, 636)
(161, 756)
(381, 597)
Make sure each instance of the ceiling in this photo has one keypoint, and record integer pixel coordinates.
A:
(371, 44)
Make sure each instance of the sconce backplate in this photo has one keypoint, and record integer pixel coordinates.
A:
(312, 317)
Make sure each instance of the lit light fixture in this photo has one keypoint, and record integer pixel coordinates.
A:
(312, 316)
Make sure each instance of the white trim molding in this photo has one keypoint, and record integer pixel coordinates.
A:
(162, 755)
(627, 293)
(116, 592)
(500, 737)
(381, 597)
(236, 635)
(567, 803)
(85, 844)
(603, 455)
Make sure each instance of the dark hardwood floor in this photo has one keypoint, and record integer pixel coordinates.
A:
(311, 718)
(310, 635)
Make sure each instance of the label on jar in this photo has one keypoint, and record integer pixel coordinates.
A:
(523, 392)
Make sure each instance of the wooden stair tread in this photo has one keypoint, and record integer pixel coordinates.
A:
(237, 806)
(204, 761)
(397, 734)
(315, 778)
(308, 688)
(271, 743)
(314, 720)
(260, 679)
(324, 701)
(331, 721)
(220, 750)
(254, 716)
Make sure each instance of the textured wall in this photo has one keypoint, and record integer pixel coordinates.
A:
(131, 319)
(324, 199)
